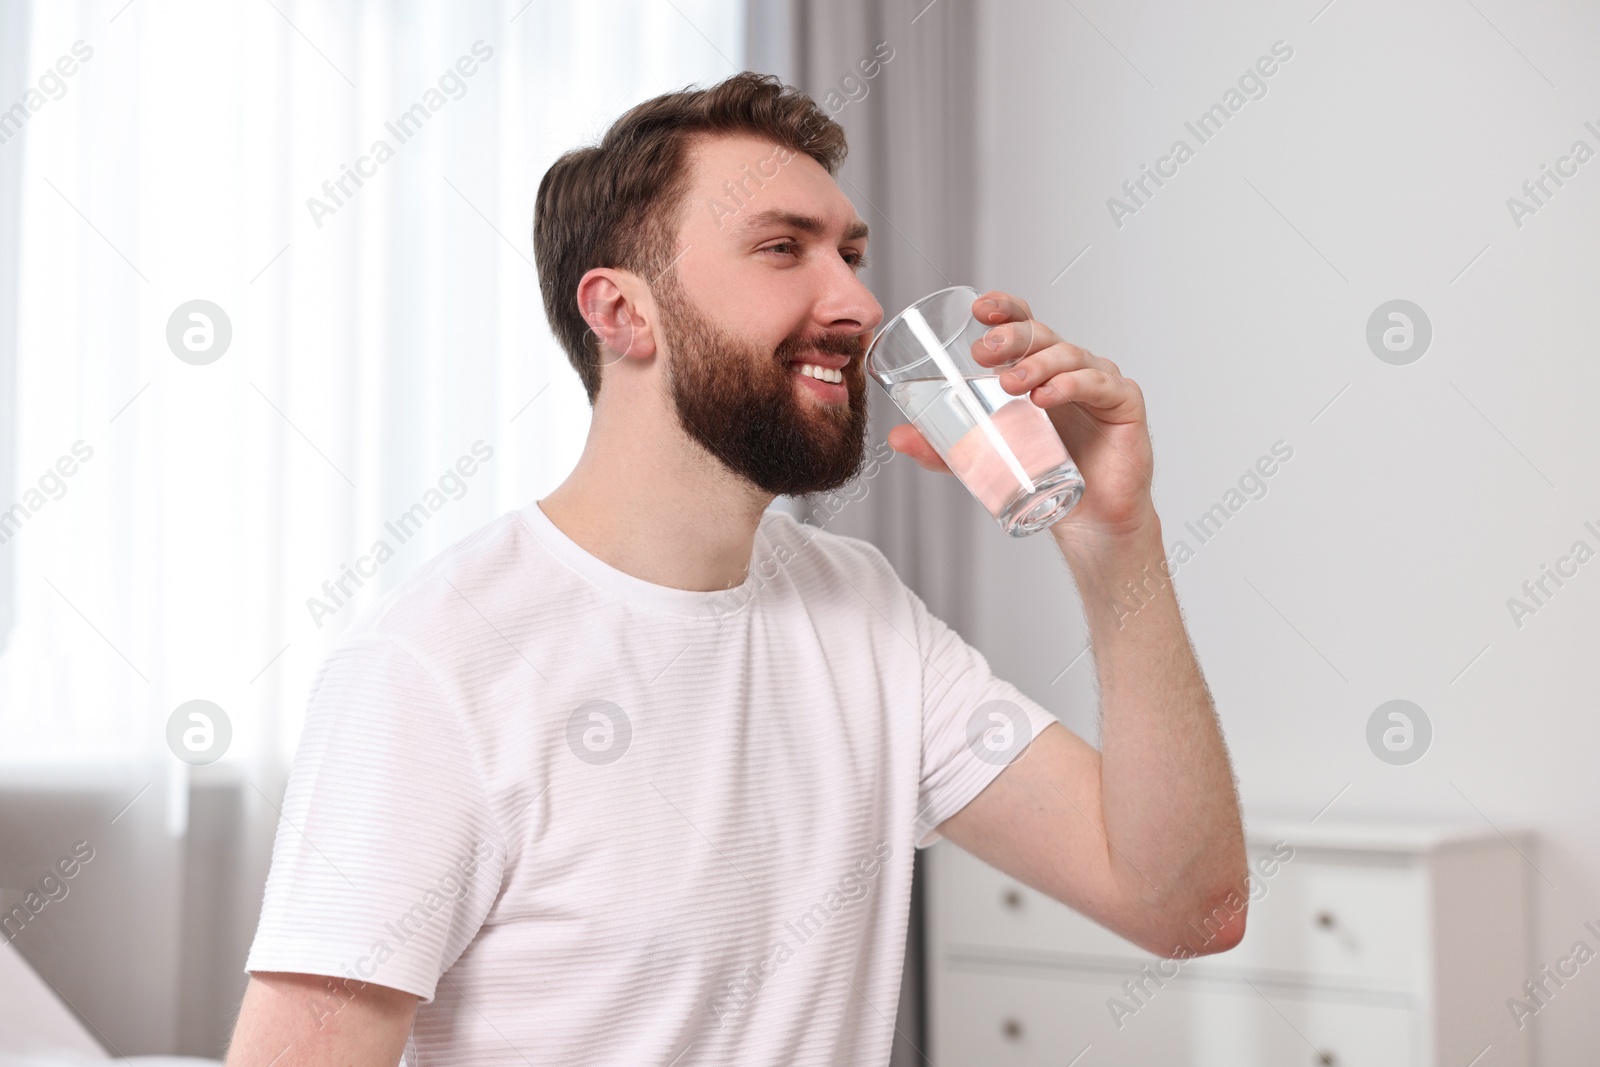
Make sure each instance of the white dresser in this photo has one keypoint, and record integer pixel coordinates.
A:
(1373, 945)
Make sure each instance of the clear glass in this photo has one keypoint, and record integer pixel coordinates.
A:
(1004, 448)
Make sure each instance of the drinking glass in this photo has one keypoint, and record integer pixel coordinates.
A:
(1004, 448)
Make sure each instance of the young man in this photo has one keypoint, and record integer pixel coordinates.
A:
(635, 773)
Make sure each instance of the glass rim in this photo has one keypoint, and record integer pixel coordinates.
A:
(883, 331)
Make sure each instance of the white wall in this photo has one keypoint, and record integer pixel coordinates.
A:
(1379, 563)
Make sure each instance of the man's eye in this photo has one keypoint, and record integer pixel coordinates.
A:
(857, 260)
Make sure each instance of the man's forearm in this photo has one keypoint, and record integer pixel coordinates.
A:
(1170, 807)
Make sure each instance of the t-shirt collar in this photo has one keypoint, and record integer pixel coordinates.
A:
(663, 599)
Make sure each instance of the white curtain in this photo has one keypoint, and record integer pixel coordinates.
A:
(379, 332)
(384, 338)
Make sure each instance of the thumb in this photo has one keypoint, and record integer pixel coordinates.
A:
(908, 441)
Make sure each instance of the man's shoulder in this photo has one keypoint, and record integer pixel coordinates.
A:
(486, 575)
(828, 551)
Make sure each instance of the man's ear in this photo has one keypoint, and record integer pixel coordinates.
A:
(620, 313)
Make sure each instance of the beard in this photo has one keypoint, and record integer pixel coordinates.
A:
(740, 402)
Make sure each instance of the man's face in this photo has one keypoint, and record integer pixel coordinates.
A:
(756, 293)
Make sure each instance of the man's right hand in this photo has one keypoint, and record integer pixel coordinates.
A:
(305, 1020)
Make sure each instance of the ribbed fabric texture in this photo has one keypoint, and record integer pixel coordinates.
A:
(593, 820)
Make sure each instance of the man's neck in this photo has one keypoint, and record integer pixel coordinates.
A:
(668, 515)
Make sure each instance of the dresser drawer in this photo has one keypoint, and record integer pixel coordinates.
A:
(987, 1018)
(1321, 916)
(1336, 919)
(979, 908)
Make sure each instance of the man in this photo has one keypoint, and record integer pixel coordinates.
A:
(635, 773)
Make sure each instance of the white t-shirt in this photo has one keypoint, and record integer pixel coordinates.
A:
(593, 820)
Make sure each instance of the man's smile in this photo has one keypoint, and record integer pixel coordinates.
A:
(821, 381)
(823, 374)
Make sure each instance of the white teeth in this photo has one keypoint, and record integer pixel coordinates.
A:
(824, 374)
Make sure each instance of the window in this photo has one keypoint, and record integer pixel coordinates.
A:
(275, 293)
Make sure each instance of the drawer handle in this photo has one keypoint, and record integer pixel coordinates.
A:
(1327, 921)
(1012, 899)
(1326, 1059)
(1012, 1030)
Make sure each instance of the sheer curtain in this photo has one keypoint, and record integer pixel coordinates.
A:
(348, 189)
(352, 186)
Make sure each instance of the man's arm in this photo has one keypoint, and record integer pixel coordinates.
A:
(1144, 836)
(303, 1020)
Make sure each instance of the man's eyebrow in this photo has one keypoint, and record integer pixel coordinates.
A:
(810, 224)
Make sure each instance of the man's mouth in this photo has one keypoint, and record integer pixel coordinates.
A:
(819, 372)
(823, 373)
(824, 366)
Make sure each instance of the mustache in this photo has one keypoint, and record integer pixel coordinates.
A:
(853, 345)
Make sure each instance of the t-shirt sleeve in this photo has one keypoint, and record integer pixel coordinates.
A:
(387, 857)
(973, 723)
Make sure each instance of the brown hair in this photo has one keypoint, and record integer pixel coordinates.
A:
(618, 203)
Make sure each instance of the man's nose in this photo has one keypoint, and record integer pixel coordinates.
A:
(852, 309)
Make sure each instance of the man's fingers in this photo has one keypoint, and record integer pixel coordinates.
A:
(1108, 394)
(1012, 340)
(994, 306)
(1032, 371)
